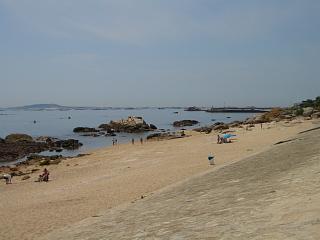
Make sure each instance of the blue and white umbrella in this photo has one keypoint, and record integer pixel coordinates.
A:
(228, 135)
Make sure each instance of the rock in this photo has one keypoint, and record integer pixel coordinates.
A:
(2, 140)
(84, 129)
(316, 115)
(44, 162)
(235, 124)
(17, 173)
(153, 127)
(13, 168)
(55, 161)
(221, 127)
(25, 177)
(129, 125)
(90, 135)
(218, 123)
(13, 150)
(69, 144)
(18, 137)
(206, 130)
(10, 151)
(288, 116)
(165, 136)
(307, 112)
(184, 123)
(46, 139)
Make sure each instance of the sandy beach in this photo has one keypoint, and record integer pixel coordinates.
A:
(85, 187)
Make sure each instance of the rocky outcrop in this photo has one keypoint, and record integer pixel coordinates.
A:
(69, 144)
(18, 137)
(221, 127)
(45, 160)
(129, 125)
(185, 123)
(17, 146)
(235, 124)
(165, 136)
(153, 127)
(85, 130)
(307, 111)
(316, 115)
(203, 129)
(10, 151)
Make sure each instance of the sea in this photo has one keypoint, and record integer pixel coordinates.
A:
(60, 124)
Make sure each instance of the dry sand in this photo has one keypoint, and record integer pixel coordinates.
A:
(85, 187)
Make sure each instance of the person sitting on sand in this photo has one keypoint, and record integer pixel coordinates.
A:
(44, 176)
(7, 177)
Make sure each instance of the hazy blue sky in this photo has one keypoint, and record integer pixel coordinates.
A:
(159, 52)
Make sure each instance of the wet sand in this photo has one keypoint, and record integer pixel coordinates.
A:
(85, 187)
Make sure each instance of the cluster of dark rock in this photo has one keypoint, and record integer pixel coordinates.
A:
(185, 123)
(17, 146)
(274, 115)
(166, 136)
(35, 160)
(129, 125)
(214, 127)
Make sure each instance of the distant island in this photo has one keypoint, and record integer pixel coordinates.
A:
(55, 107)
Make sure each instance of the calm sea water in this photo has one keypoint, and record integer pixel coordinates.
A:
(56, 123)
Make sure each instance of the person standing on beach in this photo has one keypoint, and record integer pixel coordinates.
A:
(132, 141)
(7, 177)
(141, 140)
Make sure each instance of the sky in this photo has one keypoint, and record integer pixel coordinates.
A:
(159, 52)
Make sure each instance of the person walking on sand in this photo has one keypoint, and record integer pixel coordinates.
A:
(132, 141)
(141, 140)
(219, 139)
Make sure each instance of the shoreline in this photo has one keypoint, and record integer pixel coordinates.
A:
(108, 177)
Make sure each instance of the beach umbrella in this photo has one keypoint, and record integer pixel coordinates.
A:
(228, 135)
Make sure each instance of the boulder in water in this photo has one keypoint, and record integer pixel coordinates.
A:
(129, 125)
(18, 137)
(184, 123)
(84, 130)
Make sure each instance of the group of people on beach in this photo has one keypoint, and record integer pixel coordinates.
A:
(132, 141)
(225, 138)
(115, 141)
